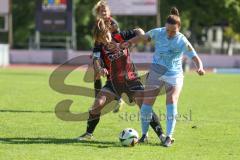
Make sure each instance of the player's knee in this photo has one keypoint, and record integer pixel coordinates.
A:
(149, 101)
(98, 104)
(172, 99)
(97, 76)
(100, 101)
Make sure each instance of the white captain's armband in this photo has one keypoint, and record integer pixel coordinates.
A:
(96, 55)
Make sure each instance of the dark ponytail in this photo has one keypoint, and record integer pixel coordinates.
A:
(174, 18)
(174, 11)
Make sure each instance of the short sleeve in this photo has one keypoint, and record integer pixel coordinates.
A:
(188, 49)
(152, 33)
(128, 34)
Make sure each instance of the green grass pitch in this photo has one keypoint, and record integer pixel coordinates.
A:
(30, 130)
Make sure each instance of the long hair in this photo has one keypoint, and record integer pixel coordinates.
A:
(101, 31)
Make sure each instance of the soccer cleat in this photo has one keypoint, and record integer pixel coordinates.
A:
(85, 137)
(162, 138)
(143, 139)
(118, 106)
(168, 142)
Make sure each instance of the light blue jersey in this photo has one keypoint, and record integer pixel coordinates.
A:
(169, 51)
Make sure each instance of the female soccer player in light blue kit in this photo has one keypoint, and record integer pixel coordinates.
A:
(166, 71)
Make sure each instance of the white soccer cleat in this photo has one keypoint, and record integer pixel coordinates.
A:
(168, 142)
(85, 137)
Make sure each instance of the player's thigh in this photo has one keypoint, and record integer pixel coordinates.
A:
(152, 88)
(135, 91)
(173, 93)
(104, 97)
(151, 93)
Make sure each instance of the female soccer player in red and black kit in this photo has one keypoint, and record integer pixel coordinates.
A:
(102, 11)
(121, 75)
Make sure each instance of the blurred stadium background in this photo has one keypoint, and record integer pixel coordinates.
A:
(54, 31)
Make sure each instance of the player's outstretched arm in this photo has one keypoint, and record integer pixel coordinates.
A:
(139, 31)
(135, 40)
(198, 62)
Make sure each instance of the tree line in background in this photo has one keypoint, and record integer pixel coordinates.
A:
(196, 15)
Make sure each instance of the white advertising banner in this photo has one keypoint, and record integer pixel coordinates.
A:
(133, 7)
(4, 55)
(4, 6)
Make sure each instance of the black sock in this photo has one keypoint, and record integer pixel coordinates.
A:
(92, 122)
(155, 124)
(97, 86)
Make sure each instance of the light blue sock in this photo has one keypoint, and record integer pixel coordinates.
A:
(146, 116)
(171, 118)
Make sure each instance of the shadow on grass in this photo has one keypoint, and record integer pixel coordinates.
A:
(22, 111)
(58, 141)
(98, 144)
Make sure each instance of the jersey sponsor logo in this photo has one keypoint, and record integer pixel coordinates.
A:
(116, 56)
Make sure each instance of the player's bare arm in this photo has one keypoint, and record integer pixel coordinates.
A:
(99, 69)
(197, 61)
(135, 40)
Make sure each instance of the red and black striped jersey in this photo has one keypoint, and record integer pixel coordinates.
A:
(119, 65)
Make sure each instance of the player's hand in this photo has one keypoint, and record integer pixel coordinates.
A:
(103, 72)
(201, 71)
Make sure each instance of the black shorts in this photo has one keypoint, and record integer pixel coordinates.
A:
(129, 87)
